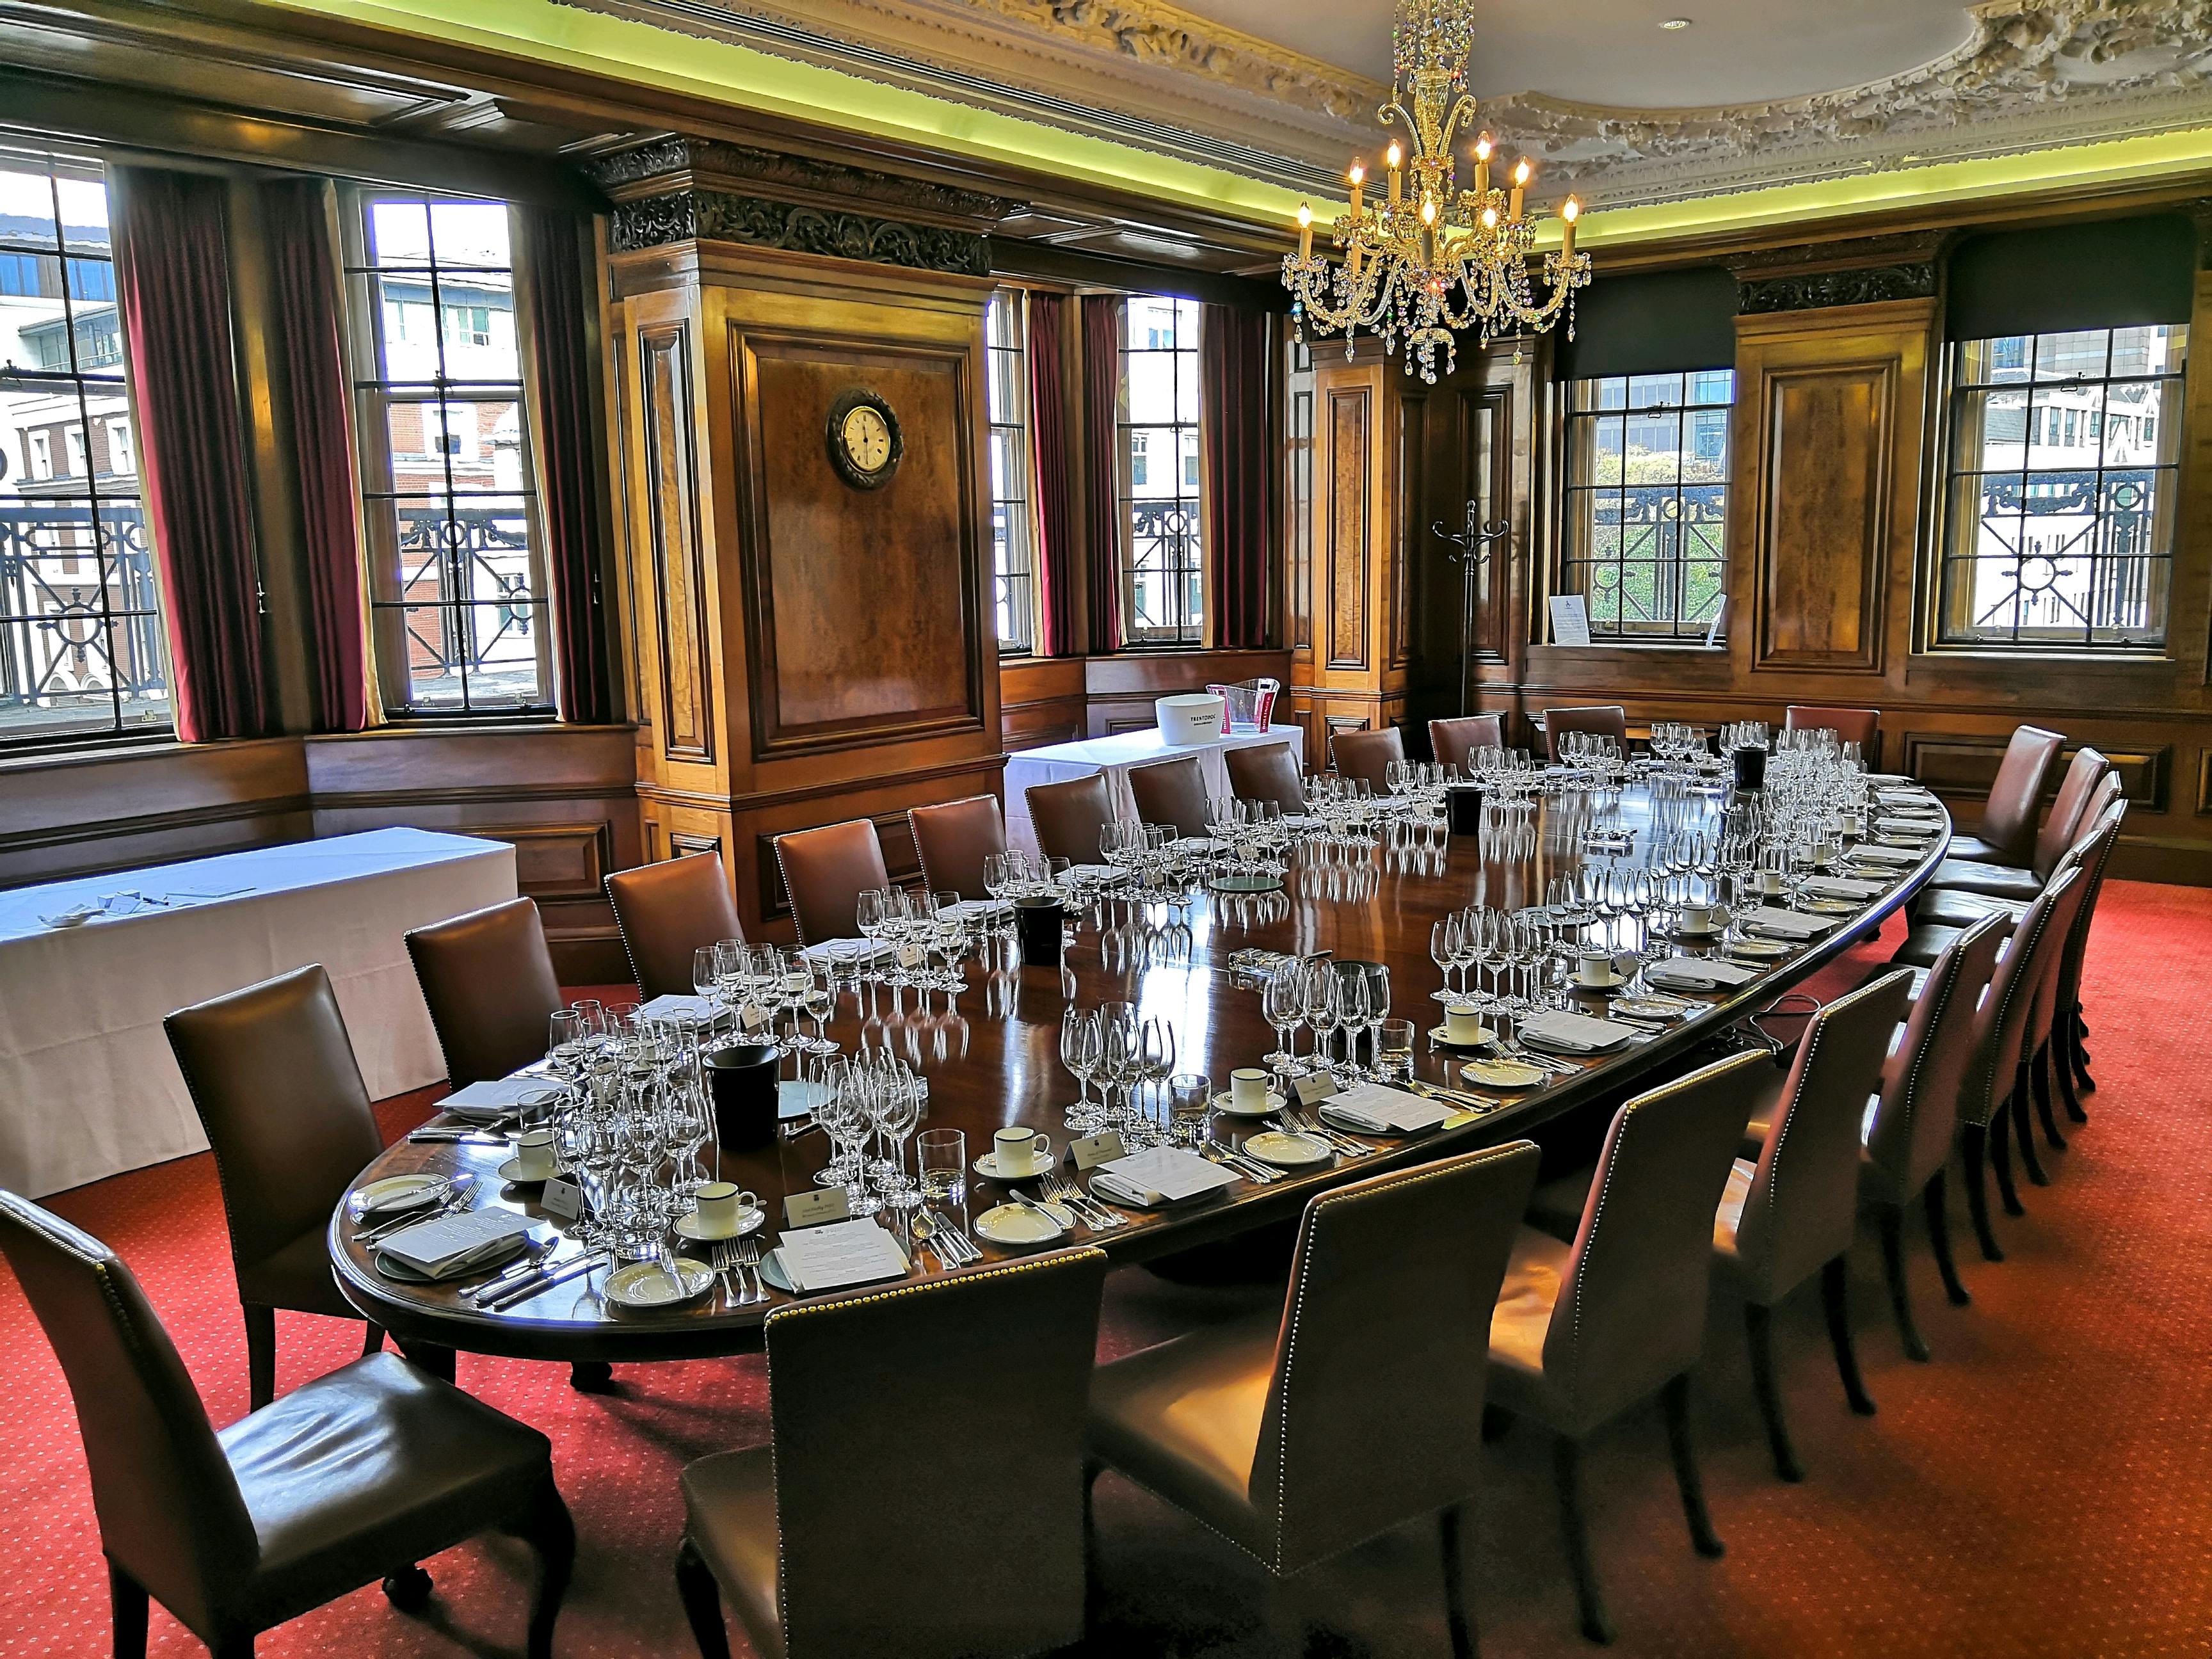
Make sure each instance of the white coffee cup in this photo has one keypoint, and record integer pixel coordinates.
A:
(1247, 1088)
(533, 1155)
(1701, 918)
(1021, 1151)
(1769, 881)
(721, 1208)
(1850, 825)
(1594, 970)
(1462, 1023)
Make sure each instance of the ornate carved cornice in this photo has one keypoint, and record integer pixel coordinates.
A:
(1859, 270)
(674, 163)
(721, 216)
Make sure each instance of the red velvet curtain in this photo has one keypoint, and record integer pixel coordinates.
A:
(1102, 446)
(563, 425)
(305, 280)
(173, 283)
(1237, 396)
(1055, 498)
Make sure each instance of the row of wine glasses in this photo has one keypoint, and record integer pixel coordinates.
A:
(1325, 997)
(1130, 1056)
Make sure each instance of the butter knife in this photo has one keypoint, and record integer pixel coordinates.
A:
(523, 1291)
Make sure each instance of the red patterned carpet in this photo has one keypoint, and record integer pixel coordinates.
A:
(2045, 1487)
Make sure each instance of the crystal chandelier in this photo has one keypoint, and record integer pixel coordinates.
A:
(1433, 260)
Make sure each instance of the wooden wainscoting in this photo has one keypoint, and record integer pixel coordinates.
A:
(1043, 700)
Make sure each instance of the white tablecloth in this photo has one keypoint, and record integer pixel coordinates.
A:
(1114, 756)
(88, 1085)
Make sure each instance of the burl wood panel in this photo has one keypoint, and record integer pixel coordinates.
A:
(863, 600)
(1824, 527)
(672, 504)
(1350, 413)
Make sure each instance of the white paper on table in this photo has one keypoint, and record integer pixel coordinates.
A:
(1572, 1030)
(1570, 619)
(1700, 973)
(1164, 1175)
(497, 1096)
(846, 950)
(1839, 887)
(1386, 1110)
(1795, 923)
(674, 1005)
(452, 1243)
(1898, 856)
(839, 1252)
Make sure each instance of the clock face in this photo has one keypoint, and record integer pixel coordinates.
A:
(865, 446)
(867, 438)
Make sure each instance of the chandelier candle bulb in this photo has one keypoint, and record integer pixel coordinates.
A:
(1482, 166)
(1570, 210)
(1357, 178)
(1520, 190)
(1305, 234)
(1397, 178)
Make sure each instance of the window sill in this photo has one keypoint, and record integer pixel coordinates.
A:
(1972, 656)
(1675, 647)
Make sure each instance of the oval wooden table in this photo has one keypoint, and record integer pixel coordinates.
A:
(995, 1062)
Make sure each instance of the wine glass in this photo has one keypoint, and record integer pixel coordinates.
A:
(1351, 1014)
(1321, 1009)
(1078, 1052)
(1282, 1004)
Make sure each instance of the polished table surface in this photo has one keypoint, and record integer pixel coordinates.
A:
(996, 1063)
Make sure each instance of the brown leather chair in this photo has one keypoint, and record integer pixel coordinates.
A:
(1582, 1331)
(272, 1074)
(1915, 1122)
(2070, 813)
(953, 839)
(2006, 833)
(1605, 720)
(1941, 911)
(825, 870)
(1368, 755)
(1266, 772)
(1068, 816)
(1280, 1432)
(1171, 792)
(923, 1491)
(1860, 725)
(353, 1477)
(666, 912)
(490, 984)
(1451, 741)
(2070, 1058)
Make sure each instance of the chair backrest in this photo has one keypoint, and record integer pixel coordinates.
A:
(1172, 793)
(929, 1461)
(825, 870)
(2077, 943)
(2003, 1025)
(170, 1511)
(1265, 771)
(490, 984)
(1068, 816)
(1860, 725)
(1451, 741)
(1916, 1118)
(2063, 825)
(668, 910)
(1804, 1189)
(273, 1075)
(1605, 720)
(1368, 755)
(2084, 857)
(1405, 1265)
(1631, 1314)
(953, 839)
(2008, 816)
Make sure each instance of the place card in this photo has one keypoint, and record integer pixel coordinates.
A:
(752, 1016)
(562, 1200)
(839, 1252)
(1164, 1174)
(815, 1209)
(1093, 1150)
(1314, 1086)
(1377, 1108)
(1700, 974)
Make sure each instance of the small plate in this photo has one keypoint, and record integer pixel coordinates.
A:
(1643, 1008)
(1831, 906)
(1759, 949)
(1436, 1036)
(511, 1173)
(1503, 1073)
(1286, 1151)
(749, 1222)
(395, 1195)
(771, 1269)
(1712, 930)
(1222, 1103)
(1018, 1225)
(1610, 982)
(642, 1284)
(989, 1165)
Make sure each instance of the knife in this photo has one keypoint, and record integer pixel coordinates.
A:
(524, 1289)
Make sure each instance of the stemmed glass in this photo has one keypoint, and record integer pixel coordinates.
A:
(895, 1107)
(1079, 1053)
(1351, 1015)
(1321, 1009)
(1282, 1004)
(1444, 946)
(1155, 1059)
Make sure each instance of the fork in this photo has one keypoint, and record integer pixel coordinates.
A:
(1059, 1189)
(721, 1257)
(1306, 1123)
(747, 1260)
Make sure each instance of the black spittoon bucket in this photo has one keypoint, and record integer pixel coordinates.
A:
(743, 1081)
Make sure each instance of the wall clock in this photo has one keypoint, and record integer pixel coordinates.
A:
(865, 445)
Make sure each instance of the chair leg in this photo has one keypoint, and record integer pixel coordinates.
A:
(128, 1599)
(2024, 1133)
(2080, 1050)
(1939, 1240)
(260, 1355)
(591, 1376)
(1567, 1475)
(1836, 1298)
(1464, 1642)
(1974, 1145)
(373, 1342)
(2051, 1137)
(431, 1357)
(2001, 1157)
(2062, 1067)
(702, 1603)
(233, 1647)
(1758, 1329)
(1675, 1397)
(1497, 1424)
(1900, 1288)
(408, 1589)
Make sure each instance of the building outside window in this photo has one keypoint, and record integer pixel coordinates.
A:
(2062, 491)
(1646, 521)
(82, 652)
(1163, 555)
(1013, 541)
(457, 578)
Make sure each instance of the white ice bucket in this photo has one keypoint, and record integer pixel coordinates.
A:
(1193, 717)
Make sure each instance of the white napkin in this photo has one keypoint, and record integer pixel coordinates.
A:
(452, 1244)
(1700, 974)
(1791, 924)
(1579, 1032)
(1837, 887)
(496, 1097)
(845, 950)
(1376, 1109)
(671, 1006)
(839, 1252)
(1899, 856)
(1161, 1175)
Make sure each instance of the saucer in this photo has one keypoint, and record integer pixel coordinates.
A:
(1642, 1008)
(1710, 930)
(988, 1164)
(1761, 950)
(1830, 906)
(1503, 1073)
(511, 1173)
(1288, 1151)
(1222, 1103)
(1483, 1036)
(395, 1195)
(749, 1221)
(1610, 982)
(643, 1285)
(1018, 1224)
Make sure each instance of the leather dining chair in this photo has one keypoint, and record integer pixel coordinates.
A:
(1266, 772)
(273, 1075)
(1451, 741)
(1860, 725)
(489, 980)
(1584, 1330)
(666, 912)
(353, 1477)
(825, 870)
(1941, 909)
(922, 1493)
(1908, 1138)
(1605, 719)
(2071, 812)
(2069, 1058)
(2006, 833)
(1068, 816)
(953, 839)
(1368, 755)
(1250, 1425)
(1171, 792)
